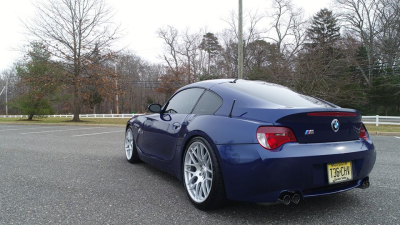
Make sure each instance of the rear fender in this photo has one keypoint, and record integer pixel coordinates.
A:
(217, 131)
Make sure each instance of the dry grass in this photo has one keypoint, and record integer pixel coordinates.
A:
(382, 128)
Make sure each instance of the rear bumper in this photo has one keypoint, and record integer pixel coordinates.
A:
(254, 174)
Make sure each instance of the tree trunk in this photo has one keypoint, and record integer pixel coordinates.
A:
(77, 106)
(30, 117)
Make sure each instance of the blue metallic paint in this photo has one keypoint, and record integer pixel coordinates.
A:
(295, 167)
(250, 172)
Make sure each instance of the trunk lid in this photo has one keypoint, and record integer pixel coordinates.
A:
(323, 126)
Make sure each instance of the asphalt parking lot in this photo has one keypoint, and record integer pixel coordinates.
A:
(79, 175)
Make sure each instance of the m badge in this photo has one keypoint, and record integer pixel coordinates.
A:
(309, 132)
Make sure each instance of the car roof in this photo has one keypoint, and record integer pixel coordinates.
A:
(207, 84)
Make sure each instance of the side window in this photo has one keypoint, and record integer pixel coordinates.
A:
(208, 104)
(184, 101)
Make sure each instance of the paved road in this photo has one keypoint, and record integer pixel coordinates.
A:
(79, 175)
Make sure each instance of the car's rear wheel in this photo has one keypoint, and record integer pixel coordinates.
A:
(202, 175)
(130, 147)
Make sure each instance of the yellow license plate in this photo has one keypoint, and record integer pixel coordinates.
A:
(339, 172)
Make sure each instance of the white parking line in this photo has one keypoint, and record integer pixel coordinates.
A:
(397, 137)
(31, 128)
(389, 187)
(50, 131)
(80, 135)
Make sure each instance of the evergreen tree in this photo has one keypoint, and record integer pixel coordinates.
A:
(210, 45)
(324, 36)
(38, 80)
(324, 31)
(323, 69)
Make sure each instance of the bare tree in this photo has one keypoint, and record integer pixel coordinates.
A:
(189, 50)
(229, 54)
(139, 80)
(75, 31)
(287, 28)
(361, 18)
(388, 39)
(250, 22)
(170, 36)
(230, 38)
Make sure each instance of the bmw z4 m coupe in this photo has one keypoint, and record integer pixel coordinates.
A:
(252, 141)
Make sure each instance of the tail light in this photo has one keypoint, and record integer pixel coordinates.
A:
(273, 137)
(335, 114)
(363, 132)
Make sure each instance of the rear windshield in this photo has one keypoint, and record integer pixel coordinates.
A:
(277, 94)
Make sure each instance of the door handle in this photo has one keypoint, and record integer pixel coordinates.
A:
(176, 126)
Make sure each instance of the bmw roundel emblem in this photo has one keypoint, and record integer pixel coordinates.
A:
(335, 125)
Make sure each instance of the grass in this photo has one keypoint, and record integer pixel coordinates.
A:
(382, 128)
(66, 121)
(122, 121)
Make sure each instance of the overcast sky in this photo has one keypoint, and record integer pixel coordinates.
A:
(141, 19)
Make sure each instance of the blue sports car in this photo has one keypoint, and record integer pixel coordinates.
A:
(252, 141)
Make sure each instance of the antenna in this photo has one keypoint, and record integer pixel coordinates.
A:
(234, 81)
(233, 104)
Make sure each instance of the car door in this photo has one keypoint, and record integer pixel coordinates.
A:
(160, 131)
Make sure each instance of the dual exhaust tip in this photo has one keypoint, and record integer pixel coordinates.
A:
(365, 184)
(287, 197)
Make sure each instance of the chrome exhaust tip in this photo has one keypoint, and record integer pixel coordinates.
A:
(296, 198)
(365, 184)
(285, 199)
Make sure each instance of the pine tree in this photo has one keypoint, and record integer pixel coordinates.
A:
(324, 31)
(324, 35)
(210, 45)
(38, 80)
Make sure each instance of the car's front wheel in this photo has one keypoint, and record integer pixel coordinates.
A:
(202, 175)
(130, 147)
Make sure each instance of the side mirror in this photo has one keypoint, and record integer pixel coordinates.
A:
(154, 108)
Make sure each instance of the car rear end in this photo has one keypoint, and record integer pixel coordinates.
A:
(301, 150)
(322, 152)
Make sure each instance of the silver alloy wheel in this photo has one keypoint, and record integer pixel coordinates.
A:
(198, 172)
(129, 143)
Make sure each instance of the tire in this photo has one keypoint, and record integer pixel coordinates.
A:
(130, 147)
(202, 175)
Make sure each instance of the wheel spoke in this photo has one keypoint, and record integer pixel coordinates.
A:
(192, 186)
(208, 185)
(191, 180)
(189, 171)
(197, 191)
(192, 157)
(205, 156)
(208, 162)
(203, 188)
